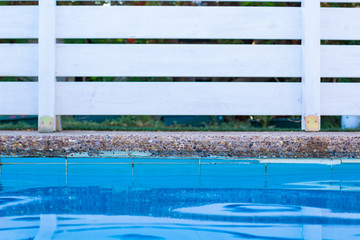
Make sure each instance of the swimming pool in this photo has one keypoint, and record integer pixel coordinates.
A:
(153, 199)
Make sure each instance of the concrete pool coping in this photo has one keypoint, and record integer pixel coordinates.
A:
(181, 144)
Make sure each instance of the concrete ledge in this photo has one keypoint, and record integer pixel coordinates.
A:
(181, 144)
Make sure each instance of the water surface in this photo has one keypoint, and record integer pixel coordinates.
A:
(177, 199)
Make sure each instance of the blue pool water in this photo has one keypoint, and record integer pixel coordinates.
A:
(156, 199)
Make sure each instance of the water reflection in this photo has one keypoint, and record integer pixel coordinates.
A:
(345, 185)
(156, 228)
(267, 210)
(256, 208)
(234, 202)
(133, 213)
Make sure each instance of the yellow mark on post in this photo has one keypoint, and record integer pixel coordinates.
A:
(312, 123)
(46, 124)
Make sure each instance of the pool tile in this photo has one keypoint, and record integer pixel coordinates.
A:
(166, 175)
(166, 161)
(26, 160)
(346, 171)
(73, 160)
(99, 170)
(31, 175)
(307, 176)
(227, 161)
(217, 169)
(166, 181)
(232, 175)
(166, 170)
(111, 175)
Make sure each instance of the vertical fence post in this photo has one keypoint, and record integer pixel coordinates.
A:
(47, 77)
(310, 118)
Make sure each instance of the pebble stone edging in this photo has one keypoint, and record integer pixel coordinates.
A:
(181, 144)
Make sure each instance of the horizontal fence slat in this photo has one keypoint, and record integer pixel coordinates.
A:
(19, 21)
(18, 60)
(156, 22)
(228, 98)
(179, 60)
(18, 98)
(340, 99)
(178, 98)
(179, 22)
(340, 61)
(340, 23)
(173, 60)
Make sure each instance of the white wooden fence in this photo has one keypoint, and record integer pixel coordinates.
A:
(310, 61)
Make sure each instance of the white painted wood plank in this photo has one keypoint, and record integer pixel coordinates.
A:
(178, 60)
(340, 23)
(178, 22)
(47, 57)
(18, 98)
(21, 60)
(340, 99)
(178, 98)
(18, 60)
(19, 21)
(311, 65)
(340, 61)
(284, 22)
